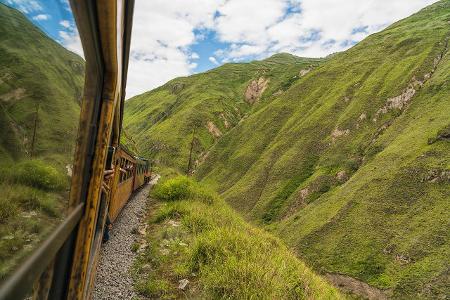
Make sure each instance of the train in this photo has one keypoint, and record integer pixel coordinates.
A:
(104, 172)
(130, 173)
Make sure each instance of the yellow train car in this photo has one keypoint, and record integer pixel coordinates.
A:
(130, 173)
(63, 265)
(143, 173)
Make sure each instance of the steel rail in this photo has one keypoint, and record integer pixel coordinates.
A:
(22, 279)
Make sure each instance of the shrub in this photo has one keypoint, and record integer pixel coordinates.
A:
(29, 198)
(174, 189)
(168, 212)
(37, 173)
(8, 209)
(135, 247)
(182, 188)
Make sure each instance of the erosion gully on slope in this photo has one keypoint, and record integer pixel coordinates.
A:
(114, 280)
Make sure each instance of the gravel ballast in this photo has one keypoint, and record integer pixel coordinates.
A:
(114, 280)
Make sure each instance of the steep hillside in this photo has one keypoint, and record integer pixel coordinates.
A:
(193, 236)
(40, 89)
(198, 110)
(351, 166)
(36, 74)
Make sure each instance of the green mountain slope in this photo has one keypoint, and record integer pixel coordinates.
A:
(40, 89)
(36, 74)
(349, 165)
(163, 122)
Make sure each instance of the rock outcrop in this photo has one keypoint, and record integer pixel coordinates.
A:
(255, 90)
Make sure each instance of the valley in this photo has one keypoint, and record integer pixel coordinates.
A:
(283, 178)
(345, 158)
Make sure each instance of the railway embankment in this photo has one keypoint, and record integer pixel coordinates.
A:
(114, 280)
(196, 247)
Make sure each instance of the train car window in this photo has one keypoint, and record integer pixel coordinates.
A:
(123, 167)
(42, 73)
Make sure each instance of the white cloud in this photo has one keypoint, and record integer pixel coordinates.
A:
(41, 17)
(164, 31)
(66, 5)
(69, 37)
(313, 28)
(64, 23)
(71, 41)
(213, 60)
(26, 6)
(248, 20)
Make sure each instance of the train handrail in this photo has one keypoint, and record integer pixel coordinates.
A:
(30, 270)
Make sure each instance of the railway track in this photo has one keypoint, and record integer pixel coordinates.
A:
(114, 279)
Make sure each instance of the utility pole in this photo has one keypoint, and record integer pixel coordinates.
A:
(33, 141)
(190, 153)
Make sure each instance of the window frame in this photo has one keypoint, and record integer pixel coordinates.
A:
(58, 267)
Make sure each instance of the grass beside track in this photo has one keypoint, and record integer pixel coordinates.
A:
(31, 204)
(194, 235)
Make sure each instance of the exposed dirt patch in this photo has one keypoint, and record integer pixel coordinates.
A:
(212, 128)
(403, 259)
(225, 121)
(303, 72)
(398, 102)
(16, 94)
(357, 287)
(437, 176)
(177, 87)
(401, 101)
(277, 93)
(201, 159)
(337, 133)
(342, 176)
(362, 117)
(299, 202)
(255, 89)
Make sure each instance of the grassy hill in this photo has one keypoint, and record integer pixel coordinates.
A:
(41, 85)
(200, 109)
(349, 164)
(193, 236)
(36, 74)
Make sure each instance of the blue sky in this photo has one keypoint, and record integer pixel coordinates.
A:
(174, 38)
(54, 17)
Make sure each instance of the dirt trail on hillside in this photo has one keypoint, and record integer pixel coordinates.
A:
(357, 287)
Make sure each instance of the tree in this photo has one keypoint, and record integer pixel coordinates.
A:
(189, 168)
(34, 138)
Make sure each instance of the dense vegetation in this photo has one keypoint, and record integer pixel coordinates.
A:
(349, 164)
(194, 238)
(40, 91)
